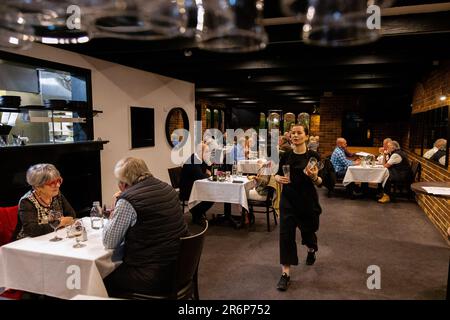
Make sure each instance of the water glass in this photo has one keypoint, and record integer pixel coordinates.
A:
(313, 162)
(54, 219)
(287, 171)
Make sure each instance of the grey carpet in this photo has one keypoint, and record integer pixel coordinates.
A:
(353, 234)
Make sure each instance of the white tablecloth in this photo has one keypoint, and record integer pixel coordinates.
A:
(41, 266)
(377, 174)
(214, 191)
(250, 166)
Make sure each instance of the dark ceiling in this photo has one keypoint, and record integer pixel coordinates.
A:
(289, 73)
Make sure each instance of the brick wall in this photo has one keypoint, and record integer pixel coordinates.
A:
(331, 113)
(426, 97)
(397, 130)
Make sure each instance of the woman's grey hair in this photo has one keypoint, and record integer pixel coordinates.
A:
(131, 170)
(41, 173)
(395, 144)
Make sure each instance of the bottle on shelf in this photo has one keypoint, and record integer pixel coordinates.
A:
(96, 216)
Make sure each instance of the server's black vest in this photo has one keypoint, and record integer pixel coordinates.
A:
(154, 239)
(402, 170)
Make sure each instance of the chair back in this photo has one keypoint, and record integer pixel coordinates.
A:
(191, 248)
(416, 169)
(184, 283)
(8, 222)
(175, 176)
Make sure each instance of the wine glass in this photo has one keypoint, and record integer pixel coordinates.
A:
(54, 219)
(77, 231)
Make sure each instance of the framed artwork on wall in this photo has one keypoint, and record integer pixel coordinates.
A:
(142, 121)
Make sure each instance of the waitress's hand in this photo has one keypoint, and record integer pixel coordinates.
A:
(312, 172)
(65, 221)
(282, 179)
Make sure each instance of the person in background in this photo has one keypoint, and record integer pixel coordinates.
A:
(285, 144)
(313, 143)
(382, 158)
(44, 196)
(239, 150)
(399, 169)
(339, 159)
(438, 152)
(196, 168)
(147, 220)
(299, 204)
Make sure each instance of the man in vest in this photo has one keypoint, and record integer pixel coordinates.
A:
(438, 152)
(148, 221)
(399, 169)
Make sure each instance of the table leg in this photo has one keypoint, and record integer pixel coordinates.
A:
(236, 221)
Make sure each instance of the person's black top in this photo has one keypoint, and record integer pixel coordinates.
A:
(301, 193)
(193, 169)
(32, 220)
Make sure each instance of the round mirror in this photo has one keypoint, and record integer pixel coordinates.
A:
(176, 119)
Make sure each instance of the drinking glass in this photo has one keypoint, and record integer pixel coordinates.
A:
(287, 171)
(313, 162)
(231, 26)
(54, 219)
(337, 23)
(77, 232)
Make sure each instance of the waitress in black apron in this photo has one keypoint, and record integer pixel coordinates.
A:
(299, 204)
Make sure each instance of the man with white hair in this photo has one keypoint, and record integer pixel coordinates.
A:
(148, 221)
(438, 152)
(399, 169)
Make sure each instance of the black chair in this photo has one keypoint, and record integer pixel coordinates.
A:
(175, 176)
(400, 188)
(328, 176)
(185, 277)
(266, 204)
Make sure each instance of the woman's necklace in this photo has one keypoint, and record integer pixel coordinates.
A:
(41, 200)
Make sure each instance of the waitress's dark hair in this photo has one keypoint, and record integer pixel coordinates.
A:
(301, 125)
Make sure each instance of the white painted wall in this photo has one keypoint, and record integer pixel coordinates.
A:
(114, 89)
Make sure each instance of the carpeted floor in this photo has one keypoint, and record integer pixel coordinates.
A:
(354, 234)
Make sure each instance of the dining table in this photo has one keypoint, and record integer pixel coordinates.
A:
(233, 191)
(367, 174)
(57, 269)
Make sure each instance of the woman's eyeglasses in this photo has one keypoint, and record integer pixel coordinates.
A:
(54, 183)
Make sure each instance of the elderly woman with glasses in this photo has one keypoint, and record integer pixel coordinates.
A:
(44, 196)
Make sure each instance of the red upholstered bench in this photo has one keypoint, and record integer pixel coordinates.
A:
(8, 222)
